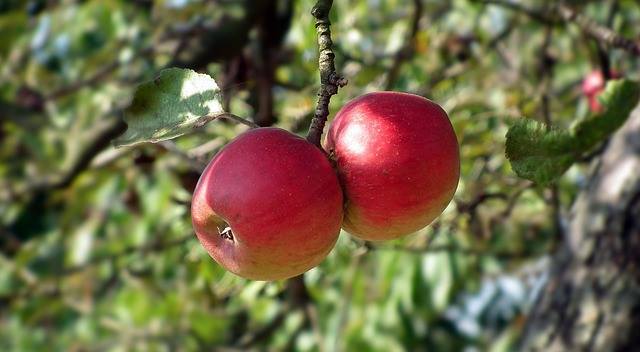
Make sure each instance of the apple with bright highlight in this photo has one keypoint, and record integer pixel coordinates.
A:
(398, 162)
(268, 206)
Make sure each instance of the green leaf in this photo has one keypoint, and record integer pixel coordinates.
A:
(537, 153)
(171, 105)
(542, 155)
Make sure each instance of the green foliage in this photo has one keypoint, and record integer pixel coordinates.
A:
(172, 104)
(12, 26)
(542, 154)
(110, 262)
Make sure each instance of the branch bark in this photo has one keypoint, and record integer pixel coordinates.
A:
(330, 81)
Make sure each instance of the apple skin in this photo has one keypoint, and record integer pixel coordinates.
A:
(398, 162)
(281, 199)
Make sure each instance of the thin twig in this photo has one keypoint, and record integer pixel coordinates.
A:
(330, 81)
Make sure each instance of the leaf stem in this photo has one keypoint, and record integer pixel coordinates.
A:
(229, 116)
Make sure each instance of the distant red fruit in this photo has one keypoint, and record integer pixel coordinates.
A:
(593, 85)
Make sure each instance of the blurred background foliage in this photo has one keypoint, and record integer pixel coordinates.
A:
(96, 246)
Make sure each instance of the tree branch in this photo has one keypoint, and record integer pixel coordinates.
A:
(603, 34)
(330, 81)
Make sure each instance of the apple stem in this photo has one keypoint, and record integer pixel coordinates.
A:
(330, 81)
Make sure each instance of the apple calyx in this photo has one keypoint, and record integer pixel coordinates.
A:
(227, 233)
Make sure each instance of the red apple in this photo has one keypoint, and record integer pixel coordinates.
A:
(398, 162)
(592, 85)
(268, 206)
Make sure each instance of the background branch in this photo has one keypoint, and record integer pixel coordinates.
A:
(604, 35)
